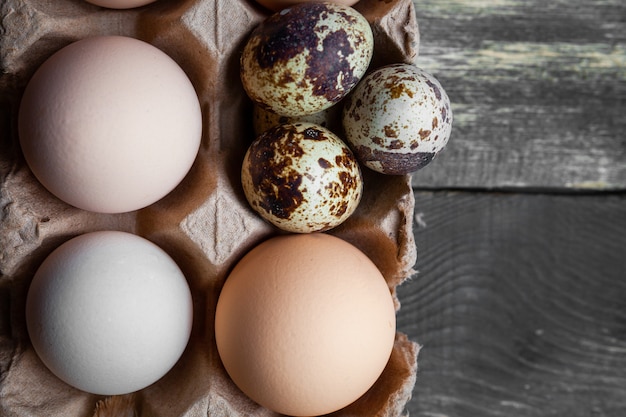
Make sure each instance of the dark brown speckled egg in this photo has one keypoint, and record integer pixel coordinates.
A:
(397, 119)
(263, 119)
(301, 178)
(306, 58)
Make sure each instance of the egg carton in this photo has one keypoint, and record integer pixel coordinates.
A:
(205, 224)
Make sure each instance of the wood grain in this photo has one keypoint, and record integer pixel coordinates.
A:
(538, 89)
(520, 305)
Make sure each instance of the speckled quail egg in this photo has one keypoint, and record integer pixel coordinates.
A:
(301, 178)
(306, 58)
(263, 119)
(397, 119)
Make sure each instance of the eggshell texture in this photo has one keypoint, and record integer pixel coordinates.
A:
(301, 178)
(110, 116)
(109, 312)
(120, 4)
(277, 5)
(305, 324)
(306, 58)
(263, 119)
(397, 119)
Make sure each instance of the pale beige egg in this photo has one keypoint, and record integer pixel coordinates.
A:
(120, 4)
(305, 324)
(277, 5)
(110, 124)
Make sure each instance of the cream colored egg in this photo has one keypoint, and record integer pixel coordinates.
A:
(277, 5)
(301, 178)
(306, 58)
(397, 119)
(120, 4)
(305, 324)
(110, 124)
(109, 312)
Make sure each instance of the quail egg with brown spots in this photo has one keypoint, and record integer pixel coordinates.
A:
(263, 119)
(397, 119)
(301, 178)
(306, 58)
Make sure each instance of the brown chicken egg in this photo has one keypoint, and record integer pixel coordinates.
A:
(397, 119)
(306, 58)
(305, 324)
(301, 178)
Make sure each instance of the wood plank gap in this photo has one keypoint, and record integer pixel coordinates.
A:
(524, 190)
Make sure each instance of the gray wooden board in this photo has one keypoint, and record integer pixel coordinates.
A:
(538, 89)
(519, 304)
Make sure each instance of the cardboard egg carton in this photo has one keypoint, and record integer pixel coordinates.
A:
(205, 224)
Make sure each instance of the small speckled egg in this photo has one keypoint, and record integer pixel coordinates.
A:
(306, 58)
(301, 178)
(120, 4)
(263, 119)
(397, 119)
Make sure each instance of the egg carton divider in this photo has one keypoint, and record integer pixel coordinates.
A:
(205, 224)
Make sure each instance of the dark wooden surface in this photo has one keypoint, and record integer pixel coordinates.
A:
(520, 305)
(520, 298)
(538, 91)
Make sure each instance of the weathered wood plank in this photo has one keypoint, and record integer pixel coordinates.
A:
(538, 89)
(520, 305)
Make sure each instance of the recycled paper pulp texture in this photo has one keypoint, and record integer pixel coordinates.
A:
(205, 224)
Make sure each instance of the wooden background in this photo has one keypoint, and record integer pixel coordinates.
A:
(520, 298)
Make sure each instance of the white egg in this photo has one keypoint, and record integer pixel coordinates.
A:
(302, 178)
(306, 58)
(397, 119)
(109, 312)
